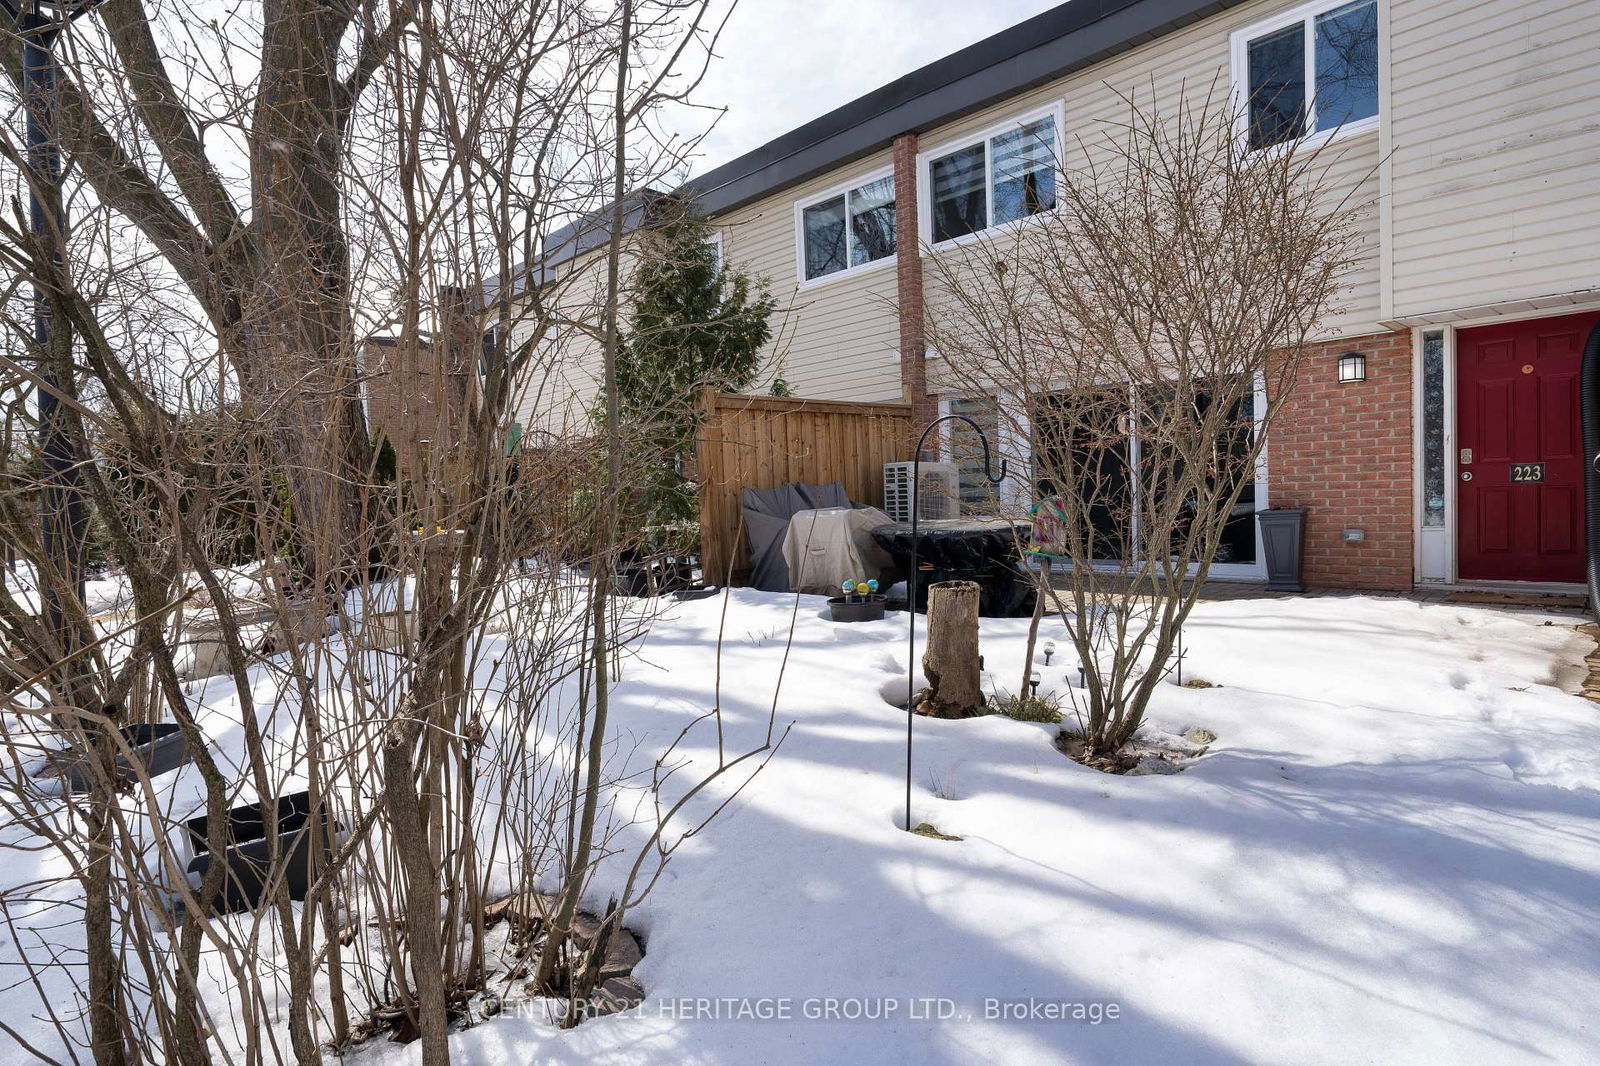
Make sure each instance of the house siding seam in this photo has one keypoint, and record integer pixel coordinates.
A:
(1345, 452)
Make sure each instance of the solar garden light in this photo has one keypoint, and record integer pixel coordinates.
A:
(852, 588)
(1033, 683)
(1049, 650)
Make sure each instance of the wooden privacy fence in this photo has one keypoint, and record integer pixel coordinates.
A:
(761, 442)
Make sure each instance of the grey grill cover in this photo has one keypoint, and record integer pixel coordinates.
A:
(766, 523)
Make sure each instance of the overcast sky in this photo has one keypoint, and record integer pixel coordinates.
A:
(785, 62)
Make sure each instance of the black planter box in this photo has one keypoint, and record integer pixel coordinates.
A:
(858, 608)
(249, 866)
(159, 748)
(1283, 540)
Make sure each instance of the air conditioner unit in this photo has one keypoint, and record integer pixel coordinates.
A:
(938, 495)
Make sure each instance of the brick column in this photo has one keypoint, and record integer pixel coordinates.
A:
(908, 285)
(1345, 452)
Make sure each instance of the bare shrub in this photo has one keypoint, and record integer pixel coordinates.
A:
(1143, 335)
(419, 664)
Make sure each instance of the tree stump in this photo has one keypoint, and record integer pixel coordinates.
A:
(951, 660)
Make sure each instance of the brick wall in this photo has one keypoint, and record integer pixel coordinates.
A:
(408, 399)
(908, 286)
(1345, 452)
(422, 390)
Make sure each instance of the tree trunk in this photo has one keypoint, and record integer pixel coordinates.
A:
(951, 661)
(1026, 688)
(105, 979)
(291, 339)
(421, 894)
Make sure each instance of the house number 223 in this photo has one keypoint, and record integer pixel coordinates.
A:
(1526, 472)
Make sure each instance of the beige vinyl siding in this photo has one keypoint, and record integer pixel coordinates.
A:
(562, 381)
(559, 388)
(1353, 172)
(1496, 167)
(836, 338)
(1191, 64)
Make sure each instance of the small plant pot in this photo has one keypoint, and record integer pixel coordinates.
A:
(159, 748)
(248, 856)
(857, 608)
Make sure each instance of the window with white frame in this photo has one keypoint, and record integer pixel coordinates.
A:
(1003, 177)
(1310, 70)
(967, 452)
(1108, 452)
(847, 230)
(1433, 469)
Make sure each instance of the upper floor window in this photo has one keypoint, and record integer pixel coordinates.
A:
(1310, 70)
(1000, 178)
(843, 230)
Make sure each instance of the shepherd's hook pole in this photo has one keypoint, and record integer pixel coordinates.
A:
(911, 578)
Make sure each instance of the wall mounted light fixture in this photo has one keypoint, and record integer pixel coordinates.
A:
(1352, 368)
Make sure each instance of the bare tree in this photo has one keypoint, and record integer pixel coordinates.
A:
(437, 717)
(1142, 333)
(262, 248)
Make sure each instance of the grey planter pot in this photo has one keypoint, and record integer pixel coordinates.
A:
(858, 608)
(1283, 537)
(1284, 540)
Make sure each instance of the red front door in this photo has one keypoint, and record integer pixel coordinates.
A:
(1521, 450)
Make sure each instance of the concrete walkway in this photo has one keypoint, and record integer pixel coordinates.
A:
(1557, 603)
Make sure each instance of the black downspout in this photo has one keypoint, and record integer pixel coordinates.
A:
(1589, 386)
(63, 522)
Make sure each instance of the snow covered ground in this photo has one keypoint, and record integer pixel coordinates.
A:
(1391, 854)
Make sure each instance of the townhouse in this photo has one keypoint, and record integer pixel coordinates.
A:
(1436, 431)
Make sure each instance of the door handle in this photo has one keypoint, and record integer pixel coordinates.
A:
(1466, 475)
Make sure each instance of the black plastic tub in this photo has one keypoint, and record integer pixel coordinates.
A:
(696, 592)
(858, 608)
(159, 748)
(249, 866)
